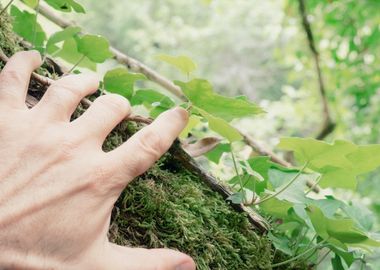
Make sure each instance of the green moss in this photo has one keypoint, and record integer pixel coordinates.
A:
(8, 40)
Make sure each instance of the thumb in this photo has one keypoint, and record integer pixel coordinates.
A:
(126, 258)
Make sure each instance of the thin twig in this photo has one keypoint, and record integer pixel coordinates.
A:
(328, 125)
(77, 63)
(283, 188)
(320, 245)
(6, 7)
(314, 185)
(35, 23)
(323, 257)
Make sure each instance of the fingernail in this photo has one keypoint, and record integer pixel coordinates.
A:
(181, 112)
(36, 53)
(185, 266)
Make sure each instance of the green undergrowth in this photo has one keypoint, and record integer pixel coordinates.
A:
(171, 207)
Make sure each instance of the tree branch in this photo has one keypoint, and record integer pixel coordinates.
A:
(328, 125)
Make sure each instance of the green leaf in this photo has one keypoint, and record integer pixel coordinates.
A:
(156, 102)
(260, 165)
(66, 5)
(215, 154)
(281, 243)
(366, 157)
(201, 94)
(60, 36)
(318, 153)
(121, 81)
(276, 208)
(347, 256)
(339, 232)
(328, 206)
(193, 122)
(31, 3)
(339, 163)
(336, 263)
(183, 63)
(69, 53)
(94, 47)
(361, 215)
(221, 126)
(236, 198)
(150, 97)
(295, 192)
(24, 23)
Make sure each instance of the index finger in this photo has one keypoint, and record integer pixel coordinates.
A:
(15, 77)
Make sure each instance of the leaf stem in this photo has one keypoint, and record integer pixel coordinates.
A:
(320, 245)
(314, 185)
(284, 187)
(35, 23)
(237, 173)
(323, 257)
(300, 238)
(6, 7)
(77, 63)
(363, 261)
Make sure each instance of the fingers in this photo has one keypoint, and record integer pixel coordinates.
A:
(15, 77)
(124, 258)
(146, 146)
(103, 115)
(64, 95)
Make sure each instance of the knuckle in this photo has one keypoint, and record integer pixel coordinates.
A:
(135, 167)
(11, 76)
(152, 144)
(61, 96)
(115, 103)
(33, 56)
(66, 89)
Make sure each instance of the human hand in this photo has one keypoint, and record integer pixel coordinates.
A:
(57, 186)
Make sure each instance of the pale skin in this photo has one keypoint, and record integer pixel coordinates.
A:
(57, 185)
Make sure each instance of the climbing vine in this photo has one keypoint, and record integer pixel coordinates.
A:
(304, 223)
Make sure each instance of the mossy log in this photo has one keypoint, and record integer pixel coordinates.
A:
(175, 204)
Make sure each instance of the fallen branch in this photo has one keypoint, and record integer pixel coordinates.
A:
(328, 125)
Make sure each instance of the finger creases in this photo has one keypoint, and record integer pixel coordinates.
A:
(15, 77)
(145, 147)
(64, 95)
